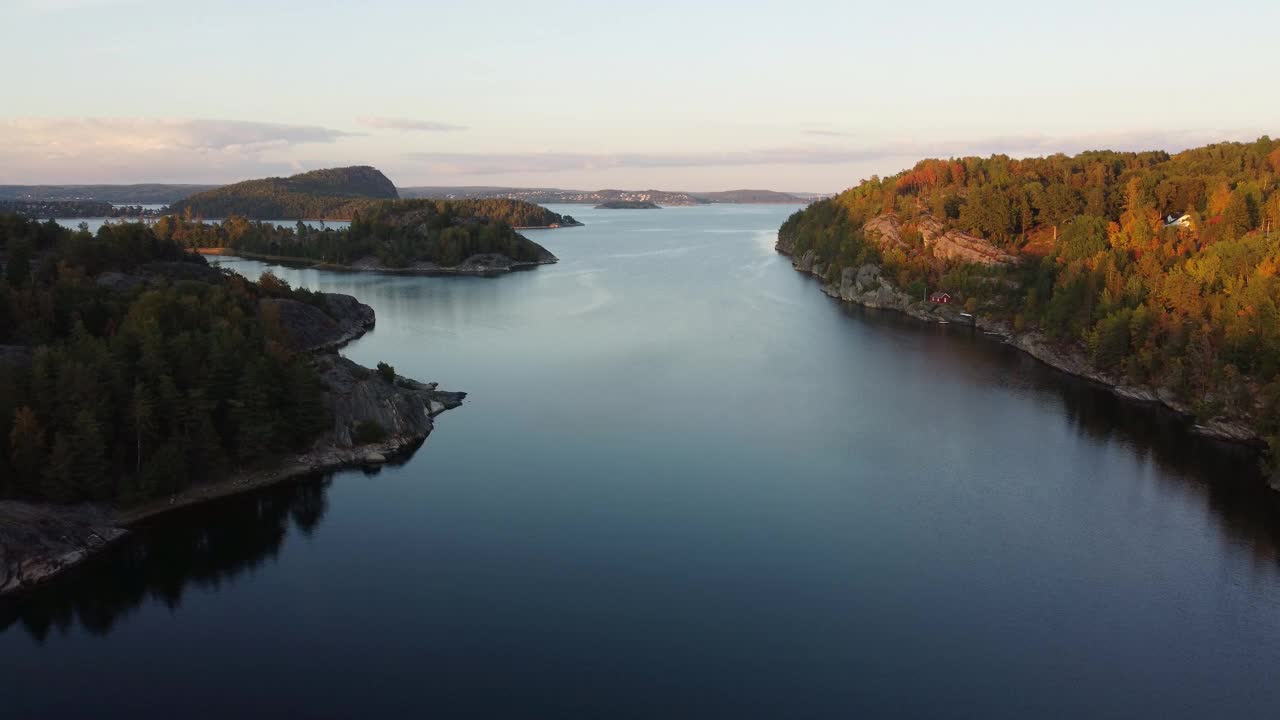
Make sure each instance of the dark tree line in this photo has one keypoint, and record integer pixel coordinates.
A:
(398, 233)
(127, 392)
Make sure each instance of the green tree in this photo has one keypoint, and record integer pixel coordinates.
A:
(18, 265)
(26, 447)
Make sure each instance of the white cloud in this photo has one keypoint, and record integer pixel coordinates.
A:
(134, 149)
(406, 124)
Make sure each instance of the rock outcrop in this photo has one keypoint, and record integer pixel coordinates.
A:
(119, 282)
(959, 246)
(39, 541)
(884, 230)
(308, 328)
(402, 409)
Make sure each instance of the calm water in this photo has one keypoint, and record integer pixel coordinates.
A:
(686, 484)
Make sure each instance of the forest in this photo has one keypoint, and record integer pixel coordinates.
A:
(1163, 268)
(127, 392)
(398, 233)
(329, 194)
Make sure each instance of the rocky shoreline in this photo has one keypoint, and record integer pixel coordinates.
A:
(487, 265)
(867, 287)
(40, 541)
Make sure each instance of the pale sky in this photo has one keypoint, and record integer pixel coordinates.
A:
(801, 96)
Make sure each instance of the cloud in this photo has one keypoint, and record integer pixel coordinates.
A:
(407, 125)
(72, 135)
(903, 152)
(828, 133)
(125, 149)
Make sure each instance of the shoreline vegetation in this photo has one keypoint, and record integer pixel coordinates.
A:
(628, 205)
(1153, 275)
(411, 236)
(57, 539)
(135, 378)
(475, 265)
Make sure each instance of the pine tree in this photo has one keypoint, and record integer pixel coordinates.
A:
(142, 414)
(26, 447)
(18, 269)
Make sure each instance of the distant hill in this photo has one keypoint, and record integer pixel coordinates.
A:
(597, 197)
(145, 194)
(627, 205)
(329, 194)
(749, 197)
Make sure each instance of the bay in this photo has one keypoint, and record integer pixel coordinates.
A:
(685, 483)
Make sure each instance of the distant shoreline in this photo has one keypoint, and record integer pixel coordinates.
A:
(288, 261)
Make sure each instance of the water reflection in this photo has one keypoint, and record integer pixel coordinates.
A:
(203, 547)
(1226, 476)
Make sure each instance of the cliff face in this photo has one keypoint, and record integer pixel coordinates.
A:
(959, 246)
(403, 409)
(866, 285)
(886, 231)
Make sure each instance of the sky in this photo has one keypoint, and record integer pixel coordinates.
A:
(800, 96)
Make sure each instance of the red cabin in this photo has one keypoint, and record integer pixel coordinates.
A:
(940, 298)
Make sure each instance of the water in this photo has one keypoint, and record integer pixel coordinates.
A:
(688, 484)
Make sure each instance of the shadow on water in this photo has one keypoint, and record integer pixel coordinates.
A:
(1226, 476)
(217, 543)
(202, 547)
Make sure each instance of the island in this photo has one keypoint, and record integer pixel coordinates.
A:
(1156, 275)
(410, 236)
(156, 381)
(342, 194)
(628, 205)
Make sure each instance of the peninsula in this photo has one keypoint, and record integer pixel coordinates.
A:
(175, 383)
(1151, 273)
